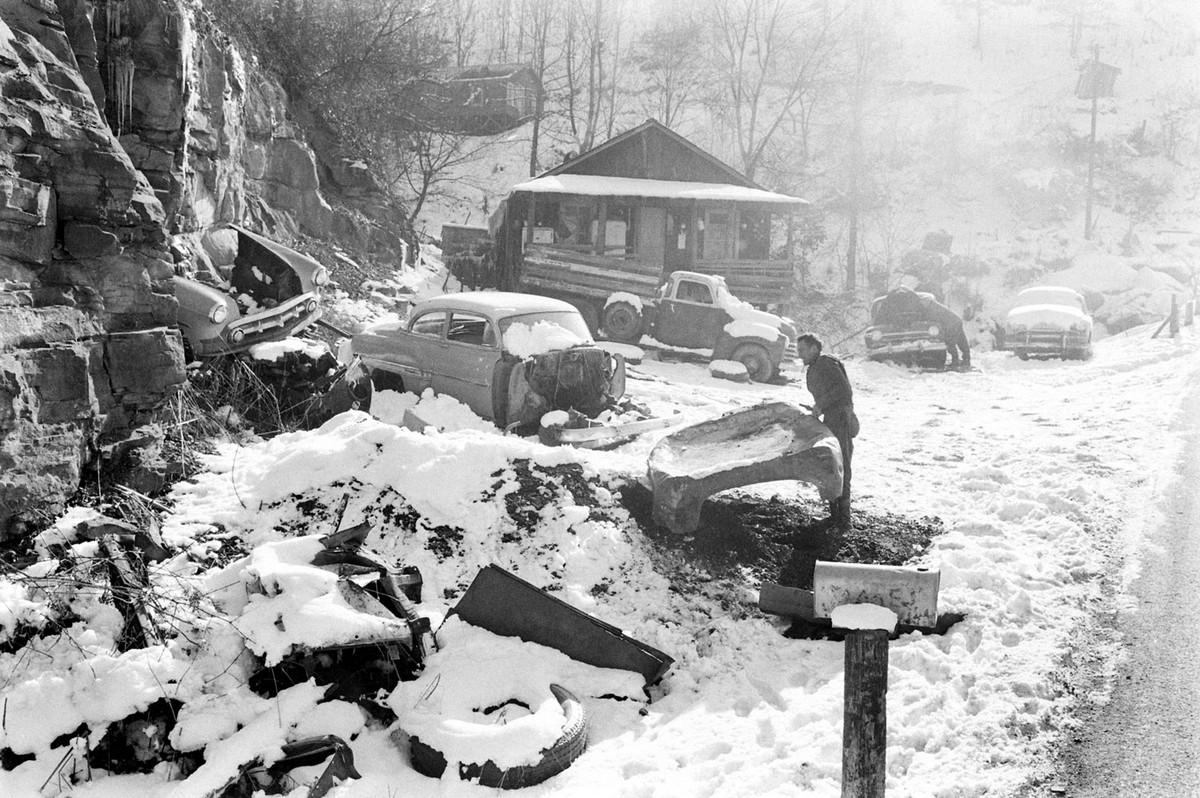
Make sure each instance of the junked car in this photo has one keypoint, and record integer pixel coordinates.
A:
(697, 311)
(510, 357)
(268, 292)
(905, 329)
(1049, 321)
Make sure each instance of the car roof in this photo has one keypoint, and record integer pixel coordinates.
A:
(1050, 289)
(497, 303)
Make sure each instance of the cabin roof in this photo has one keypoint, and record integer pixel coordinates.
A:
(605, 186)
(630, 138)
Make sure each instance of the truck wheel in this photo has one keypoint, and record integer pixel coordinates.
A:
(622, 322)
(757, 361)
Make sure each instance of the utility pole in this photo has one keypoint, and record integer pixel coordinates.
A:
(1087, 214)
(1095, 81)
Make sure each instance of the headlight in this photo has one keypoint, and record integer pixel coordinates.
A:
(321, 276)
(219, 313)
(875, 335)
(237, 335)
(310, 306)
(934, 331)
(1079, 326)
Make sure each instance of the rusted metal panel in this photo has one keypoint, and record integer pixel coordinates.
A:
(508, 605)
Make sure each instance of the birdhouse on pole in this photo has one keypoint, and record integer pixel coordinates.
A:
(1096, 80)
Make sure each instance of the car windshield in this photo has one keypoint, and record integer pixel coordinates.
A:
(569, 320)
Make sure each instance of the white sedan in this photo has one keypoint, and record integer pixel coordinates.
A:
(1049, 321)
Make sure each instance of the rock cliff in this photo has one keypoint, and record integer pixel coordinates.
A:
(128, 128)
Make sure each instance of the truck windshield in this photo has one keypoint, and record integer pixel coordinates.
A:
(570, 321)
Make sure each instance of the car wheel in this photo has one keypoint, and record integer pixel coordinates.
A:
(428, 761)
(386, 381)
(1021, 353)
(757, 361)
(622, 322)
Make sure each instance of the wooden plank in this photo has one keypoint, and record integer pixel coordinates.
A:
(587, 273)
(864, 718)
(557, 255)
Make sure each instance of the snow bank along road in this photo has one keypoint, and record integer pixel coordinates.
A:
(1045, 475)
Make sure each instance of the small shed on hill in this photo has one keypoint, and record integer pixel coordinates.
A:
(646, 203)
(480, 100)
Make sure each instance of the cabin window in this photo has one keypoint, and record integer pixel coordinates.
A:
(575, 226)
(754, 235)
(715, 236)
(618, 231)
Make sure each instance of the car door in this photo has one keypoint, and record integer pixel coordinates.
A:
(468, 360)
(689, 317)
(407, 350)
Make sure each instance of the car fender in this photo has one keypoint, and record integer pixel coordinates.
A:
(195, 300)
(726, 344)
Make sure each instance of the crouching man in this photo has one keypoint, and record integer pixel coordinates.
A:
(833, 404)
(952, 333)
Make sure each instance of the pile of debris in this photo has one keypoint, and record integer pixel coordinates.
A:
(119, 655)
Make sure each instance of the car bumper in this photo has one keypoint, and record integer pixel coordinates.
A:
(909, 346)
(268, 325)
(1047, 342)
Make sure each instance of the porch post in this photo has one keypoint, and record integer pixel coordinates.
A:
(529, 221)
(601, 228)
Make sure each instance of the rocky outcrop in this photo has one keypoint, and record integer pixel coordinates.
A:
(86, 345)
(220, 141)
(128, 129)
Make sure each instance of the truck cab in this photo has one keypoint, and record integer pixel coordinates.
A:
(697, 311)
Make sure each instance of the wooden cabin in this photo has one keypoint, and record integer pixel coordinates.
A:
(636, 208)
(480, 100)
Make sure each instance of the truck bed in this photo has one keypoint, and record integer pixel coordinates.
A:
(555, 270)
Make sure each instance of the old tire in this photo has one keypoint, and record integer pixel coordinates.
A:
(757, 361)
(428, 761)
(622, 322)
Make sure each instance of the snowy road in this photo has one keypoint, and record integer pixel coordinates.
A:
(1146, 740)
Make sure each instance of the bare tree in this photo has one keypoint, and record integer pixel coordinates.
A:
(866, 52)
(541, 16)
(770, 55)
(592, 32)
(461, 21)
(430, 160)
(671, 66)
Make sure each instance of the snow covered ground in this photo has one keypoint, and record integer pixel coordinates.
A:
(1046, 475)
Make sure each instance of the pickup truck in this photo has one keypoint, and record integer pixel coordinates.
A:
(697, 311)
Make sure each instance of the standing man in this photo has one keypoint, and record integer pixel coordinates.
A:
(833, 404)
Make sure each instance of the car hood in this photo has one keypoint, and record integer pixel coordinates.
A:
(1052, 316)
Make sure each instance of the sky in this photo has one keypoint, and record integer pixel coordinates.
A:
(1045, 475)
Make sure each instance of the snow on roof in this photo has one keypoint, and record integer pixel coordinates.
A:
(604, 186)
